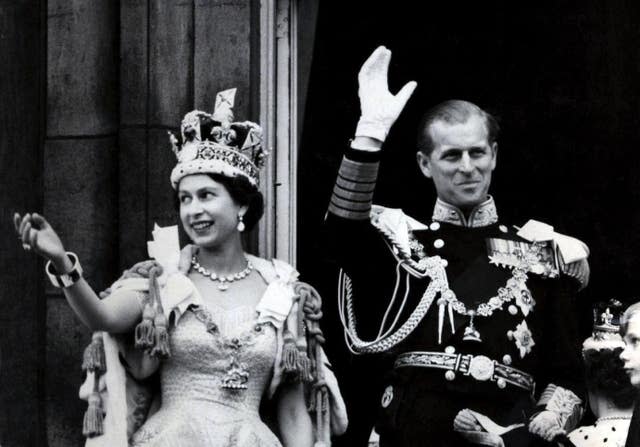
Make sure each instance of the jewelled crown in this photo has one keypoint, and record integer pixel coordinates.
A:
(606, 327)
(214, 144)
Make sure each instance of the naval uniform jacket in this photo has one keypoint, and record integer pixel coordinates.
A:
(416, 405)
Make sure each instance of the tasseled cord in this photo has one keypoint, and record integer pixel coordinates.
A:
(161, 348)
(290, 354)
(296, 362)
(151, 334)
(309, 315)
(93, 358)
(305, 365)
(93, 361)
(93, 423)
(145, 333)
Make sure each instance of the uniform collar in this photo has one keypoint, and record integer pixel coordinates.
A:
(481, 216)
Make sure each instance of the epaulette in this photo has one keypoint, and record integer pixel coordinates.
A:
(396, 227)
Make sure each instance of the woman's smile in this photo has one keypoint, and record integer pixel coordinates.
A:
(208, 212)
(202, 226)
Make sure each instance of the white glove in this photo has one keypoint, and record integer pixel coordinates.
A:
(378, 107)
(546, 425)
(465, 421)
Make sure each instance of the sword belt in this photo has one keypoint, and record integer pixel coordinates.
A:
(479, 367)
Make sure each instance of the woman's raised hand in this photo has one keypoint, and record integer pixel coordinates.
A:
(379, 108)
(38, 235)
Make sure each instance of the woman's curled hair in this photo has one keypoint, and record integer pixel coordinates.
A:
(605, 374)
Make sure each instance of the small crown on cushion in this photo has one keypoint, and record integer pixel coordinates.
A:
(606, 327)
(214, 144)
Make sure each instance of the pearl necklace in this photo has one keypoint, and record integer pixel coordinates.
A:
(613, 418)
(223, 280)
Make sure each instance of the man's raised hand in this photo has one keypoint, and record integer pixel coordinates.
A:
(378, 107)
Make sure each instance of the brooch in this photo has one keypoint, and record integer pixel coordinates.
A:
(523, 338)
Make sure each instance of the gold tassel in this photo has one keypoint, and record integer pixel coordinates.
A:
(325, 436)
(93, 423)
(161, 348)
(145, 330)
(304, 367)
(145, 333)
(93, 359)
(313, 397)
(290, 354)
(304, 363)
(310, 360)
(322, 434)
(325, 399)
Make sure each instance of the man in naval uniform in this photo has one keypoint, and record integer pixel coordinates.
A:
(474, 318)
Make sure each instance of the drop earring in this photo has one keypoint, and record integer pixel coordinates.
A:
(240, 223)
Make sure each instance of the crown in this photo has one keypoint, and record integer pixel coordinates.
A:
(214, 144)
(606, 327)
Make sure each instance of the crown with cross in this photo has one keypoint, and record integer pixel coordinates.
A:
(215, 144)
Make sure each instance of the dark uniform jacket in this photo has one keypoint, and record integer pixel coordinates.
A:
(488, 365)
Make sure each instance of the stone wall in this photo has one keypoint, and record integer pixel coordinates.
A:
(95, 158)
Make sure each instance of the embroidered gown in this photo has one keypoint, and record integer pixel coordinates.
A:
(197, 410)
(222, 363)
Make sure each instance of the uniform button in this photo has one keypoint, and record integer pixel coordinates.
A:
(444, 263)
(513, 309)
(449, 375)
(506, 359)
(449, 295)
(449, 350)
(438, 243)
(387, 397)
(435, 226)
(503, 228)
(501, 383)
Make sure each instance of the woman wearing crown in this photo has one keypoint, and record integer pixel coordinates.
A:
(220, 327)
(611, 394)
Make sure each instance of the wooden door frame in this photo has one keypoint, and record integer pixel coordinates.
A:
(279, 115)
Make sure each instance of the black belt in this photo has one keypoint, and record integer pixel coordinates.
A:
(479, 367)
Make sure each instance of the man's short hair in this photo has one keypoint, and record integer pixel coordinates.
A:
(453, 111)
(627, 316)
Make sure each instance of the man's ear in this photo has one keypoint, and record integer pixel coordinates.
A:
(424, 163)
(494, 150)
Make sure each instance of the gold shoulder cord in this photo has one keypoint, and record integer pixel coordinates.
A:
(432, 267)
